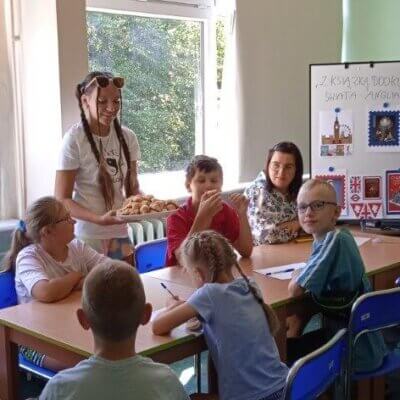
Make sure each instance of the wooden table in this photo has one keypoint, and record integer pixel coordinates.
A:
(54, 330)
(381, 257)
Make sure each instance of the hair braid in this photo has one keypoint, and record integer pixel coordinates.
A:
(272, 319)
(124, 145)
(212, 249)
(203, 246)
(85, 124)
(103, 177)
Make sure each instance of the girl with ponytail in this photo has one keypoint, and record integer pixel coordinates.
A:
(238, 326)
(98, 166)
(49, 264)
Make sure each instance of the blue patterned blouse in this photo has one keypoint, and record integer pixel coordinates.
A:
(266, 210)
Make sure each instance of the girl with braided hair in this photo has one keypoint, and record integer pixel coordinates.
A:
(238, 325)
(98, 167)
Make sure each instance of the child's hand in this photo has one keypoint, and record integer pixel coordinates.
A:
(210, 204)
(291, 226)
(110, 218)
(173, 302)
(79, 285)
(239, 202)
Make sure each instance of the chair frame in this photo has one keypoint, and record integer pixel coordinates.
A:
(353, 338)
(24, 364)
(297, 366)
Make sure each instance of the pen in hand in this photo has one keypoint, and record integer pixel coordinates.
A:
(174, 296)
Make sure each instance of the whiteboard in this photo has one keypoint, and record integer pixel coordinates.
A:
(355, 135)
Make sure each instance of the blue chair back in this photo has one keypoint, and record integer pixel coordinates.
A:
(8, 295)
(151, 255)
(8, 298)
(375, 310)
(313, 374)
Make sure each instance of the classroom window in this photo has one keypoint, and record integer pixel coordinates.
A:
(160, 59)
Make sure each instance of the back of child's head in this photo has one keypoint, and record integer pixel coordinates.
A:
(113, 300)
(209, 249)
(202, 163)
(321, 184)
(213, 252)
(42, 212)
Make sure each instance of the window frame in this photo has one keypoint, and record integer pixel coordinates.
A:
(204, 15)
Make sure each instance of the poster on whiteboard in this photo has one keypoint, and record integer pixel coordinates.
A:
(355, 135)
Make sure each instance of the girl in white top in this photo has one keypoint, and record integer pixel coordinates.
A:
(98, 167)
(49, 263)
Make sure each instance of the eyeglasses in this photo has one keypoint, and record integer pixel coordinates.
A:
(104, 81)
(315, 206)
(67, 218)
(285, 167)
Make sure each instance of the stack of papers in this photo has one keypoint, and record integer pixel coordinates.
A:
(282, 272)
(361, 240)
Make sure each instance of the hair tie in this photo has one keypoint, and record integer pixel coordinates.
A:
(21, 226)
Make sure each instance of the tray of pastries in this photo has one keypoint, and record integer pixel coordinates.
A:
(141, 206)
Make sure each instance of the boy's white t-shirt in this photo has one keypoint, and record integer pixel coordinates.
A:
(76, 154)
(34, 264)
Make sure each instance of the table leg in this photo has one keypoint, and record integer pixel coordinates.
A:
(8, 366)
(212, 376)
(280, 338)
(385, 280)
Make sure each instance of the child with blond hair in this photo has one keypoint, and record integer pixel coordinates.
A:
(334, 273)
(113, 307)
(48, 262)
(238, 325)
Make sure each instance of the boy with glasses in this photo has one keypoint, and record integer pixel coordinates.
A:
(334, 274)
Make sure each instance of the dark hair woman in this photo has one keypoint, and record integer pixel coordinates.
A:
(272, 196)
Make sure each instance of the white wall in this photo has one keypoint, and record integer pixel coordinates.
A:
(54, 60)
(7, 139)
(277, 40)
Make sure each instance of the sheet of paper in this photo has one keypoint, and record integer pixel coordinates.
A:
(282, 272)
(361, 240)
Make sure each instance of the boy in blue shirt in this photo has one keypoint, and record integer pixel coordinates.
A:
(113, 307)
(335, 267)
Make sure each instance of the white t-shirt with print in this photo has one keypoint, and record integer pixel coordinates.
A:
(76, 154)
(34, 264)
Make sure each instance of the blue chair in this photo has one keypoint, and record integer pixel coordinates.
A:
(151, 255)
(8, 298)
(313, 374)
(8, 295)
(372, 312)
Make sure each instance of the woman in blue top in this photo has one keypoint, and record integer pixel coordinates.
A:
(238, 325)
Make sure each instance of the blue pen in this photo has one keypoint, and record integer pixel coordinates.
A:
(280, 272)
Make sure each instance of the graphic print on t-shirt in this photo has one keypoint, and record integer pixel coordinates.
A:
(112, 160)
